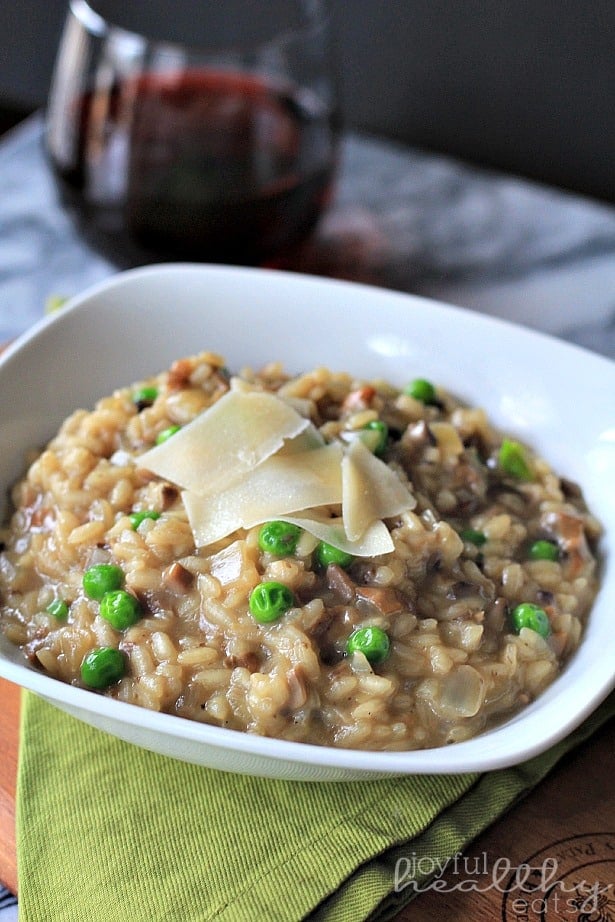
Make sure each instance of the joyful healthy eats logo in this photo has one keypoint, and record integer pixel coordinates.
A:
(582, 889)
(571, 880)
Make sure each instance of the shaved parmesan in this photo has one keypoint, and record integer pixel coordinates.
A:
(370, 490)
(375, 541)
(240, 431)
(283, 483)
(251, 458)
(307, 440)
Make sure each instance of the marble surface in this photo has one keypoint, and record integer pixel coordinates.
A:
(409, 220)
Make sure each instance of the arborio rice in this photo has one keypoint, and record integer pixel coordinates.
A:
(493, 528)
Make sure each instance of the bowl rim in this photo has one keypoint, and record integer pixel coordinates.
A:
(471, 317)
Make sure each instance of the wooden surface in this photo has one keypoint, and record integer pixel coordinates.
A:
(566, 819)
(9, 734)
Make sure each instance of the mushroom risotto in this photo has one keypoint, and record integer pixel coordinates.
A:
(315, 558)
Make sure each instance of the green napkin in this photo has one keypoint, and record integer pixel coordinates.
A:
(107, 831)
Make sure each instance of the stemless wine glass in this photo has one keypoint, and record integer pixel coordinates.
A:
(194, 129)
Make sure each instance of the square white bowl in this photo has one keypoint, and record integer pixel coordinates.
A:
(558, 398)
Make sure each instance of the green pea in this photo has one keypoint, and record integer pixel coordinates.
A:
(166, 434)
(145, 396)
(473, 536)
(58, 608)
(102, 578)
(120, 609)
(327, 554)
(543, 550)
(381, 430)
(269, 601)
(529, 615)
(102, 667)
(422, 390)
(513, 461)
(280, 538)
(372, 642)
(137, 517)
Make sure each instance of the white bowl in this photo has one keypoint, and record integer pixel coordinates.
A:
(555, 396)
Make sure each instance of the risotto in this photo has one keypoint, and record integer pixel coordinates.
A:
(315, 558)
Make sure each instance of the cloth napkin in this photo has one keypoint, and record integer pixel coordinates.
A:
(108, 831)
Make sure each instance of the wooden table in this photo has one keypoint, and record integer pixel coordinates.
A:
(576, 802)
(9, 734)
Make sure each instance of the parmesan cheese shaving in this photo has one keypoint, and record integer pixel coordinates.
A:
(307, 440)
(283, 483)
(370, 490)
(376, 539)
(240, 431)
(251, 458)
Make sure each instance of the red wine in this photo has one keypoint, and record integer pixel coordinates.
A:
(206, 165)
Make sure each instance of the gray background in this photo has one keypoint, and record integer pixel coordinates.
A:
(525, 86)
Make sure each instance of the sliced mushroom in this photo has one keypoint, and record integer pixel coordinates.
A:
(168, 495)
(177, 578)
(339, 581)
(250, 661)
(569, 532)
(384, 598)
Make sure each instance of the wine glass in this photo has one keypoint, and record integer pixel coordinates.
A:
(194, 129)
